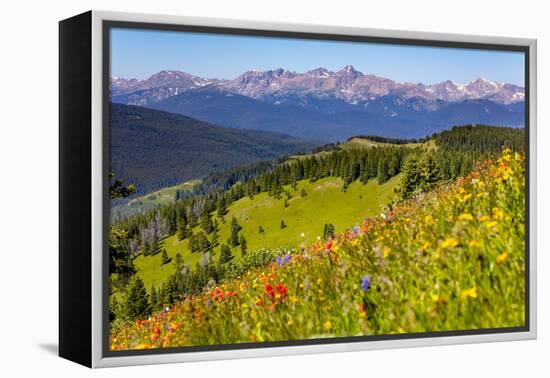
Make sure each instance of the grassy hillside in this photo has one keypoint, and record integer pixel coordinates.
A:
(358, 142)
(324, 203)
(451, 259)
(149, 201)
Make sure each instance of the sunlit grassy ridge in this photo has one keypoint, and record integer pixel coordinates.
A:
(324, 203)
(451, 259)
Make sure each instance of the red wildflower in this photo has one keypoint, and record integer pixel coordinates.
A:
(269, 290)
(328, 245)
(281, 289)
(217, 294)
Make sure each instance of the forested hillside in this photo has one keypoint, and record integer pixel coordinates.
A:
(152, 149)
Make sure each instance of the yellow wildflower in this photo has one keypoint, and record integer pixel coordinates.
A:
(386, 252)
(290, 322)
(484, 218)
(428, 219)
(491, 224)
(497, 213)
(465, 217)
(328, 325)
(435, 297)
(468, 293)
(502, 257)
(450, 242)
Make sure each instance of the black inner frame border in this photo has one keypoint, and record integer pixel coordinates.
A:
(108, 25)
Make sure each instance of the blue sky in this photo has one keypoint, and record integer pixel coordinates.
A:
(139, 54)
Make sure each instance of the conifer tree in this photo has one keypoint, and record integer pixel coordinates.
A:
(178, 262)
(164, 256)
(235, 228)
(225, 254)
(182, 228)
(221, 207)
(206, 222)
(136, 301)
(243, 245)
(283, 224)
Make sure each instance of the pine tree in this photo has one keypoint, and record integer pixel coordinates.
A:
(328, 231)
(283, 224)
(193, 244)
(182, 228)
(215, 240)
(261, 229)
(136, 301)
(178, 262)
(203, 243)
(206, 222)
(243, 245)
(383, 174)
(235, 228)
(164, 256)
(285, 203)
(221, 207)
(225, 254)
(303, 192)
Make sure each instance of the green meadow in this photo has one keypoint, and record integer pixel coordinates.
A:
(305, 217)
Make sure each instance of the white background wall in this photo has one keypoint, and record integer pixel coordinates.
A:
(28, 186)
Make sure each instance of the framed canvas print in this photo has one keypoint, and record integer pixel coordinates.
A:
(234, 189)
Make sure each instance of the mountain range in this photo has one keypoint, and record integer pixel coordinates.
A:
(326, 105)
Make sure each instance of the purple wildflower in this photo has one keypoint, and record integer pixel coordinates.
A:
(282, 261)
(355, 230)
(365, 284)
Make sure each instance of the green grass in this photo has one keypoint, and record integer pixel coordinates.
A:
(163, 196)
(367, 143)
(324, 203)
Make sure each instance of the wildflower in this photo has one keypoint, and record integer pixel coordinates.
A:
(484, 218)
(328, 325)
(355, 230)
(497, 213)
(450, 242)
(290, 322)
(269, 290)
(386, 252)
(281, 289)
(302, 234)
(365, 283)
(491, 224)
(259, 301)
(328, 245)
(465, 217)
(435, 298)
(428, 219)
(502, 257)
(468, 293)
